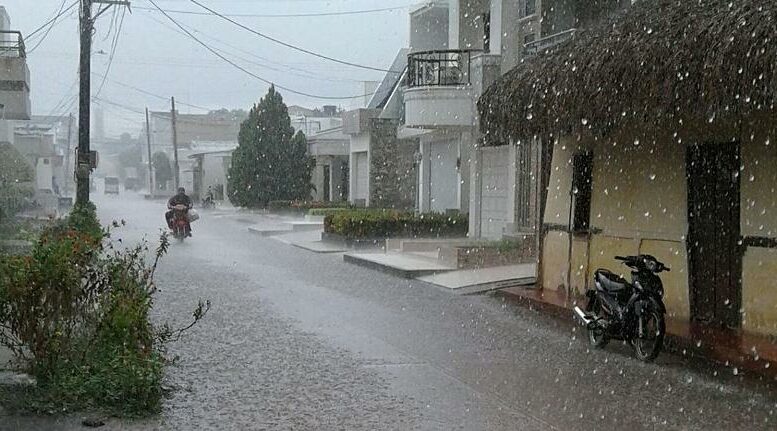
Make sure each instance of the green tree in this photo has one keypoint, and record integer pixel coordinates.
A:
(163, 172)
(270, 162)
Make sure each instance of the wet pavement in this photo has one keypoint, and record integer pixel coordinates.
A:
(303, 341)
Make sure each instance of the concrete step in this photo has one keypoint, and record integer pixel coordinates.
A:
(469, 281)
(303, 225)
(403, 265)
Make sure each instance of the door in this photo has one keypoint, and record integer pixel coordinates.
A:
(494, 201)
(361, 171)
(327, 183)
(443, 176)
(713, 233)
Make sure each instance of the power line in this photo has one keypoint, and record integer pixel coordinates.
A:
(148, 93)
(288, 45)
(246, 71)
(291, 15)
(302, 72)
(114, 45)
(32, 33)
(51, 26)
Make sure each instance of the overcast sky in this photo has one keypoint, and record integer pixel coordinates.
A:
(154, 56)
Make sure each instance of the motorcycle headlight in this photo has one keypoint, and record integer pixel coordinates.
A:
(651, 265)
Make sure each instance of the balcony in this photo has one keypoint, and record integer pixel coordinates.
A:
(12, 44)
(14, 77)
(548, 42)
(438, 89)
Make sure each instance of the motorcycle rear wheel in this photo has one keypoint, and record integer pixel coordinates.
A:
(597, 337)
(648, 347)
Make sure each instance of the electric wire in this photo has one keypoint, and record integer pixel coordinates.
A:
(248, 72)
(299, 72)
(286, 44)
(113, 52)
(291, 15)
(53, 21)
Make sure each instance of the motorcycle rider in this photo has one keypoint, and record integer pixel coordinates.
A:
(179, 199)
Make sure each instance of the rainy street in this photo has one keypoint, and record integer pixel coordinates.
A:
(298, 340)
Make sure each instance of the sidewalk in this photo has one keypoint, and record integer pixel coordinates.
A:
(734, 348)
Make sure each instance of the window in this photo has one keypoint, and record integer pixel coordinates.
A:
(530, 7)
(487, 32)
(582, 179)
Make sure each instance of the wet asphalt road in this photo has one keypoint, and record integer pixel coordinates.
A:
(303, 341)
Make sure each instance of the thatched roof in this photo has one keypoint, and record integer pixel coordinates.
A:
(657, 62)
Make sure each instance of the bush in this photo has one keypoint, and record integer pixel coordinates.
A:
(370, 224)
(302, 207)
(76, 314)
(323, 212)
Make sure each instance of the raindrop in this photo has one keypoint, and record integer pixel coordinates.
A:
(584, 121)
(652, 177)
(529, 116)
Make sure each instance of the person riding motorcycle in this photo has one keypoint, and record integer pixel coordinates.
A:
(179, 199)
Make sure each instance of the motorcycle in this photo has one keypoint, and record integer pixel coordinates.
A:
(180, 223)
(633, 312)
(208, 203)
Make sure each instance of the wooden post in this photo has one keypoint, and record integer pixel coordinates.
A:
(83, 165)
(150, 168)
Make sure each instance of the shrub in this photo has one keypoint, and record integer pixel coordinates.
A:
(76, 313)
(323, 212)
(302, 207)
(366, 224)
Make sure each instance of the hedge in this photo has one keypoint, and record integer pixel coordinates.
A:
(303, 206)
(370, 224)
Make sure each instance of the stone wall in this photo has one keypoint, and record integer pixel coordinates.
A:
(393, 175)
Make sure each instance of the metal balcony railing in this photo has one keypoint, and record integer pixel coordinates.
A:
(540, 45)
(12, 44)
(439, 68)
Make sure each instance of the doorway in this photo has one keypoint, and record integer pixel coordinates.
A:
(714, 249)
(327, 183)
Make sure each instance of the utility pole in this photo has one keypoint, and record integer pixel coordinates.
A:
(175, 146)
(150, 169)
(67, 154)
(85, 162)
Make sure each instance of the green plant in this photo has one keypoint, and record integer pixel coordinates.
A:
(303, 207)
(76, 312)
(364, 224)
(271, 160)
(323, 212)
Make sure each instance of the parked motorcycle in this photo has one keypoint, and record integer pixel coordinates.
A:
(180, 224)
(633, 311)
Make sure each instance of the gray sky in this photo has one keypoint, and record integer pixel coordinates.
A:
(150, 55)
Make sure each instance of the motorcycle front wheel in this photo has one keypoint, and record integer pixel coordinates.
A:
(648, 345)
(597, 337)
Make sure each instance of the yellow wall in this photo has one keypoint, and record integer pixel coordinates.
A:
(758, 196)
(758, 185)
(759, 290)
(555, 255)
(640, 188)
(639, 205)
(560, 183)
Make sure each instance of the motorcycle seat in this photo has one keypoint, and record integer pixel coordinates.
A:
(609, 281)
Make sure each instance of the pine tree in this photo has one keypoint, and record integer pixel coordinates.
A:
(270, 162)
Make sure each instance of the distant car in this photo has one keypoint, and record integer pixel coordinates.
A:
(131, 183)
(111, 185)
